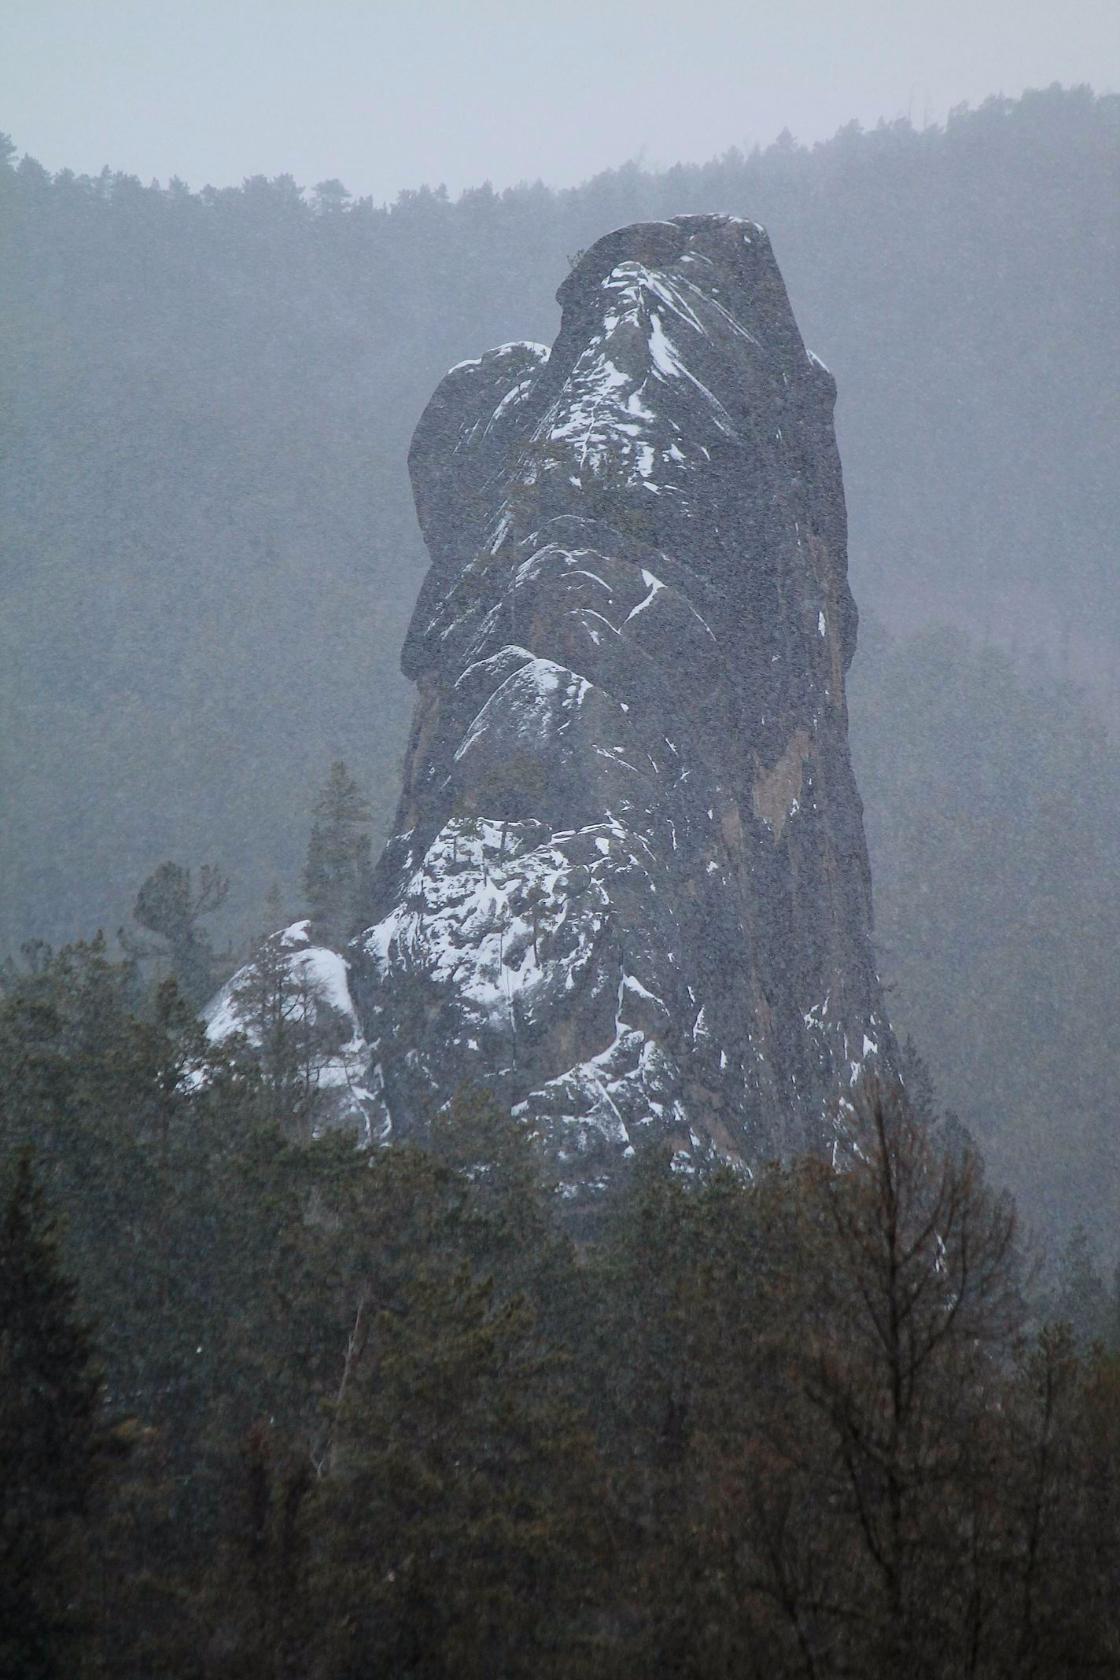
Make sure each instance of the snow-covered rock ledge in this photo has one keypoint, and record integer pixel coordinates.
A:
(292, 1005)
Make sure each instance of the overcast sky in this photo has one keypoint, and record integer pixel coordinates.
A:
(386, 94)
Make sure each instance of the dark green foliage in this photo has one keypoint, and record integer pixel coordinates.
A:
(124, 1149)
(826, 1459)
(505, 1212)
(459, 1520)
(336, 875)
(386, 1418)
(259, 1599)
(52, 1441)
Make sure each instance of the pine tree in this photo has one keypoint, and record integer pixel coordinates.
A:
(336, 876)
(51, 1441)
(169, 905)
(459, 1511)
(292, 1030)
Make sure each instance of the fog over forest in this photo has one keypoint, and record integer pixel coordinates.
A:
(212, 558)
(214, 553)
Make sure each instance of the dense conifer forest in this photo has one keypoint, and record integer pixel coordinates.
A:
(314, 1411)
(271, 1406)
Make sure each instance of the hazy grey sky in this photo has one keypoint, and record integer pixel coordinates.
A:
(388, 94)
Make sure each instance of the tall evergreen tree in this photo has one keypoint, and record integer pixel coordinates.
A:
(336, 875)
(169, 905)
(51, 1442)
(460, 1507)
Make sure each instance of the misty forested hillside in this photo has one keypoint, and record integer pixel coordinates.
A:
(992, 808)
(211, 553)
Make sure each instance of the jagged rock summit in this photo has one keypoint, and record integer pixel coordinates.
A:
(628, 886)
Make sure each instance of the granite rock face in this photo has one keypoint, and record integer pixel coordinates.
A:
(628, 886)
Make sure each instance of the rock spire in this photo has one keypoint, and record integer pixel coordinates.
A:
(628, 888)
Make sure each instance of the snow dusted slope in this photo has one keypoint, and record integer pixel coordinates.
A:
(628, 886)
(292, 1003)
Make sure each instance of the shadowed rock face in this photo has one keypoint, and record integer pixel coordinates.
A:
(628, 886)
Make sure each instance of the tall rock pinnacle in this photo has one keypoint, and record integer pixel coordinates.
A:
(628, 886)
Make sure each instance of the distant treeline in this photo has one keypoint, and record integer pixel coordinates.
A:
(310, 1411)
(211, 553)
